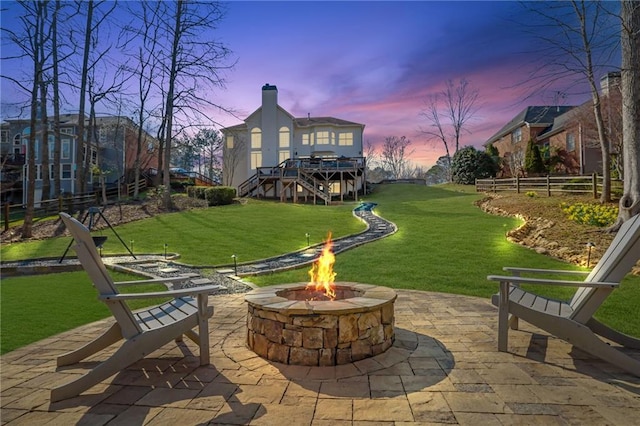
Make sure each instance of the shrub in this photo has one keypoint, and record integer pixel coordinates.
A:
(469, 164)
(591, 214)
(531, 194)
(220, 195)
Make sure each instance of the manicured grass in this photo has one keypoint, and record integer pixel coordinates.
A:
(210, 236)
(444, 244)
(35, 307)
(447, 244)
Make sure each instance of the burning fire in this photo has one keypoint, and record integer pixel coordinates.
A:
(321, 272)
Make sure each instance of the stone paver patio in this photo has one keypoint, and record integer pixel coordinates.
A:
(444, 368)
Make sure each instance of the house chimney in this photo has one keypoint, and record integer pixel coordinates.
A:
(269, 97)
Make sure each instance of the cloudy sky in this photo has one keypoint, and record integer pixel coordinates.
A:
(376, 63)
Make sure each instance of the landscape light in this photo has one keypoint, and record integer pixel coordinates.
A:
(590, 245)
(235, 263)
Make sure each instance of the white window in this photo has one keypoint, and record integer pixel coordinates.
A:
(333, 138)
(52, 171)
(322, 138)
(345, 139)
(230, 142)
(256, 159)
(283, 155)
(305, 139)
(38, 171)
(284, 140)
(102, 135)
(256, 138)
(516, 135)
(66, 130)
(17, 139)
(66, 149)
(571, 142)
(4, 136)
(94, 156)
(65, 171)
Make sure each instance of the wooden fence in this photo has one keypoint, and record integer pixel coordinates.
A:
(548, 184)
(68, 203)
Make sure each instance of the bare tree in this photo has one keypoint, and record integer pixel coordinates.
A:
(231, 157)
(448, 112)
(630, 73)
(577, 43)
(395, 154)
(193, 70)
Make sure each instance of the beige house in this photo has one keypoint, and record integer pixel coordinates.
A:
(276, 154)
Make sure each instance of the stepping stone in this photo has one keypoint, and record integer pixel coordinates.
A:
(308, 255)
(201, 281)
(148, 265)
(288, 260)
(226, 271)
(259, 266)
(168, 270)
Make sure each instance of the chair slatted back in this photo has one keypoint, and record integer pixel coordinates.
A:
(614, 265)
(94, 267)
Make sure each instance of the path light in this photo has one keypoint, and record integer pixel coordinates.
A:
(590, 245)
(165, 250)
(235, 263)
(307, 235)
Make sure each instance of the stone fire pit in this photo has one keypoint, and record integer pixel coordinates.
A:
(292, 325)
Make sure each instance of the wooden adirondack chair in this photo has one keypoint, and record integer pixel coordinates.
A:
(573, 321)
(143, 331)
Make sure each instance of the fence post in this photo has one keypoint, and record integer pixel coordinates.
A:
(493, 182)
(594, 180)
(517, 184)
(6, 216)
(548, 186)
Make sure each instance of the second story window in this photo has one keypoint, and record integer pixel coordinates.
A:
(571, 142)
(4, 136)
(65, 153)
(230, 142)
(345, 139)
(284, 137)
(322, 138)
(516, 135)
(256, 138)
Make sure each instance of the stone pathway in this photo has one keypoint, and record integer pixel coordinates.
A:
(442, 369)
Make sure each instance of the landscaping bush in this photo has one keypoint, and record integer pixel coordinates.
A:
(591, 214)
(220, 195)
(469, 164)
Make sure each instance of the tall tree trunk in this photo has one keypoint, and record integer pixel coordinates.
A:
(630, 73)
(166, 179)
(81, 170)
(56, 100)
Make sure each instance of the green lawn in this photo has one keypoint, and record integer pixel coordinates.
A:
(444, 243)
(35, 307)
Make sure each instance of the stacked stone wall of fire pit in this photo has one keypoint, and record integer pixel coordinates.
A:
(283, 328)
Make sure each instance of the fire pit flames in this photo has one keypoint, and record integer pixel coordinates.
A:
(321, 273)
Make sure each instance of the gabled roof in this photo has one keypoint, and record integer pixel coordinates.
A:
(534, 116)
(558, 125)
(315, 121)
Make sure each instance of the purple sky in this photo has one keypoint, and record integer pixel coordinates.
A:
(376, 63)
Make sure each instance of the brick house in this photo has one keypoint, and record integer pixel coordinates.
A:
(566, 132)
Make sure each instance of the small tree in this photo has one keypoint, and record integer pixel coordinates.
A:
(533, 159)
(394, 157)
(469, 164)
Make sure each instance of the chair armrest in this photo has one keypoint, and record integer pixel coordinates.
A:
(545, 271)
(540, 281)
(154, 294)
(180, 278)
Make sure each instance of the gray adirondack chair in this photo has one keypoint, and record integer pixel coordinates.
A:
(143, 331)
(573, 321)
